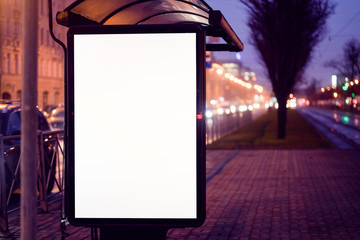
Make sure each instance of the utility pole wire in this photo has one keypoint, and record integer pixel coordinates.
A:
(346, 25)
(336, 35)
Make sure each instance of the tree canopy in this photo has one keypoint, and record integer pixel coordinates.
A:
(285, 32)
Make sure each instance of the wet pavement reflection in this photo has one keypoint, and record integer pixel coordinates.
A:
(343, 124)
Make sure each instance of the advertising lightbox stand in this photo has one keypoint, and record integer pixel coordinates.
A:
(135, 131)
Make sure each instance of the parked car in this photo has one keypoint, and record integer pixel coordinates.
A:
(10, 125)
(56, 118)
(47, 109)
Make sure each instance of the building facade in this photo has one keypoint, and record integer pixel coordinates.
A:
(50, 54)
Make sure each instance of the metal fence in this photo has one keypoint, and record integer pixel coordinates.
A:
(51, 164)
(220, 125)
(50, 170)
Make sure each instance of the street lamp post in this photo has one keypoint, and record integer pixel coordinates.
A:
(29, 120)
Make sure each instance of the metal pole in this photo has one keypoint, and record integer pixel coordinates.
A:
(4, 226)
(42, 174)
(1, 51)
(29, 119)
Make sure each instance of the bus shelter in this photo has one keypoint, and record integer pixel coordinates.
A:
(141, 170)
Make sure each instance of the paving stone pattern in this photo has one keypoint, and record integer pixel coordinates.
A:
(262, 194)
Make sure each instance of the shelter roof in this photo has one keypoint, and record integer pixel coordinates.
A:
(132, 12)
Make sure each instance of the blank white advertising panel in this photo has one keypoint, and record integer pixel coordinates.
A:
(135, 126)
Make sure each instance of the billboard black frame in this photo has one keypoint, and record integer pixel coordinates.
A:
(200, 126)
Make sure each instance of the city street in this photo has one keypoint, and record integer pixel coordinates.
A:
(110, 112)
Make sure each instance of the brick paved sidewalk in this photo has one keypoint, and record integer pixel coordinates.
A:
(263, 194)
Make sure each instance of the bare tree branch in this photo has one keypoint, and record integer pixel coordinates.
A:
(349, 64)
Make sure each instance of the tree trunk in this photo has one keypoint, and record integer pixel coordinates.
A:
(281, 117)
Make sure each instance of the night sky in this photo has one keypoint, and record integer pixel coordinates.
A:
(342, 26)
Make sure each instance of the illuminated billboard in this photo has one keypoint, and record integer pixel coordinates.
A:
(135, 138)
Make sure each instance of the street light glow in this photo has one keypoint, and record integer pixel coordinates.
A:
(334, 81)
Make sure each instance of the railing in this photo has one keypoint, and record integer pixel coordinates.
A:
(51, 165)
(220, 125)
(50, 170)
